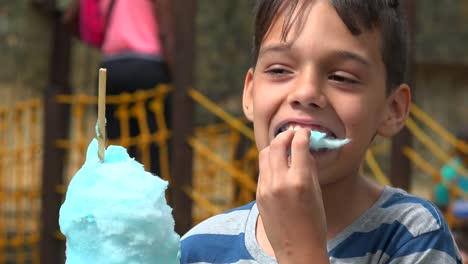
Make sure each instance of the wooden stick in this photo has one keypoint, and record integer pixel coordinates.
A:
(101, 125)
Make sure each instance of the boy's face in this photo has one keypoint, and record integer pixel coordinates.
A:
(324, 78)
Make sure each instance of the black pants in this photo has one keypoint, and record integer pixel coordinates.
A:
(129, 75)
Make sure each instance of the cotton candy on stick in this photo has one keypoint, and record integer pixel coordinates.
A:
(116, 213)
(319, 140)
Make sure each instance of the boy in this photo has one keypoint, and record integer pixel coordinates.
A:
(336, 67)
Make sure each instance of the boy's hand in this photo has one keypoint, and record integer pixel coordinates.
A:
(290, 200)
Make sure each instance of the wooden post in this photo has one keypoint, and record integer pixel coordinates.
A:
(56, 123)
(182, 112)
(46, 6)
(400, 164)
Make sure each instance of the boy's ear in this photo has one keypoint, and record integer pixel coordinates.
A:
(247, 96)
(396, 112)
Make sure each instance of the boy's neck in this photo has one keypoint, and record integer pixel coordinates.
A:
(347, 200)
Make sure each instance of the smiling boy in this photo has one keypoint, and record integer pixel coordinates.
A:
(337, 67)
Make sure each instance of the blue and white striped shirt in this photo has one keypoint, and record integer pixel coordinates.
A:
(398, 228)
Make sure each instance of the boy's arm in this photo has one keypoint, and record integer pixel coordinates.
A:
(290, 200)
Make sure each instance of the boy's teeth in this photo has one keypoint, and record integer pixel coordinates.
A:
(292, 127)
(297, 127)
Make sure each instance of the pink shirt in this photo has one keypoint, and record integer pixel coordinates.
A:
(132, 28)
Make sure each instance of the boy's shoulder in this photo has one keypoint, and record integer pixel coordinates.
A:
(228, 223)
(220, 236)
(416, 214)
(399, 227)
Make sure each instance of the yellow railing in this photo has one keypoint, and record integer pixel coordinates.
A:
(444, 158)
(20, 166)
(432, 146)
(438, 129)
(130, 106)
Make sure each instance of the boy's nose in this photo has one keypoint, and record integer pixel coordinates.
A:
(308, 93)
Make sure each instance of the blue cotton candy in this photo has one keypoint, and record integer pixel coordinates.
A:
(319, 140)
(116, 213)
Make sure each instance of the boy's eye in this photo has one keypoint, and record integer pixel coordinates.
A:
(341, 78)
(277, 71)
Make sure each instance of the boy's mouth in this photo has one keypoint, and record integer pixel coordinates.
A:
(295, 126)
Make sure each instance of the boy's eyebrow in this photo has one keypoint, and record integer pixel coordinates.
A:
(282, 47)
(348, 55)
(339, 54)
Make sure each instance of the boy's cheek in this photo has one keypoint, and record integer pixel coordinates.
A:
(356, 120)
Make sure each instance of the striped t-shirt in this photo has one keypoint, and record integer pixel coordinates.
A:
(398, 228)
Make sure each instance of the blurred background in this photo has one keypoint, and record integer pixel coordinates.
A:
(48, 88)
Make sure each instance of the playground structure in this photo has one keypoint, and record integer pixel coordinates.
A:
(224, 154)
(224, 160)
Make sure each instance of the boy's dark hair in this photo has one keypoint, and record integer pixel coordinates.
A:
(358, 15)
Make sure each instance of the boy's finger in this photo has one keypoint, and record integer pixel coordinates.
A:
(263, 166)
(279, 151)
(301, 158)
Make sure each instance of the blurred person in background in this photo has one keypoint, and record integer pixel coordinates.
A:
(461, 238)
(459, 207)
(450, 174)
(136, 51)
